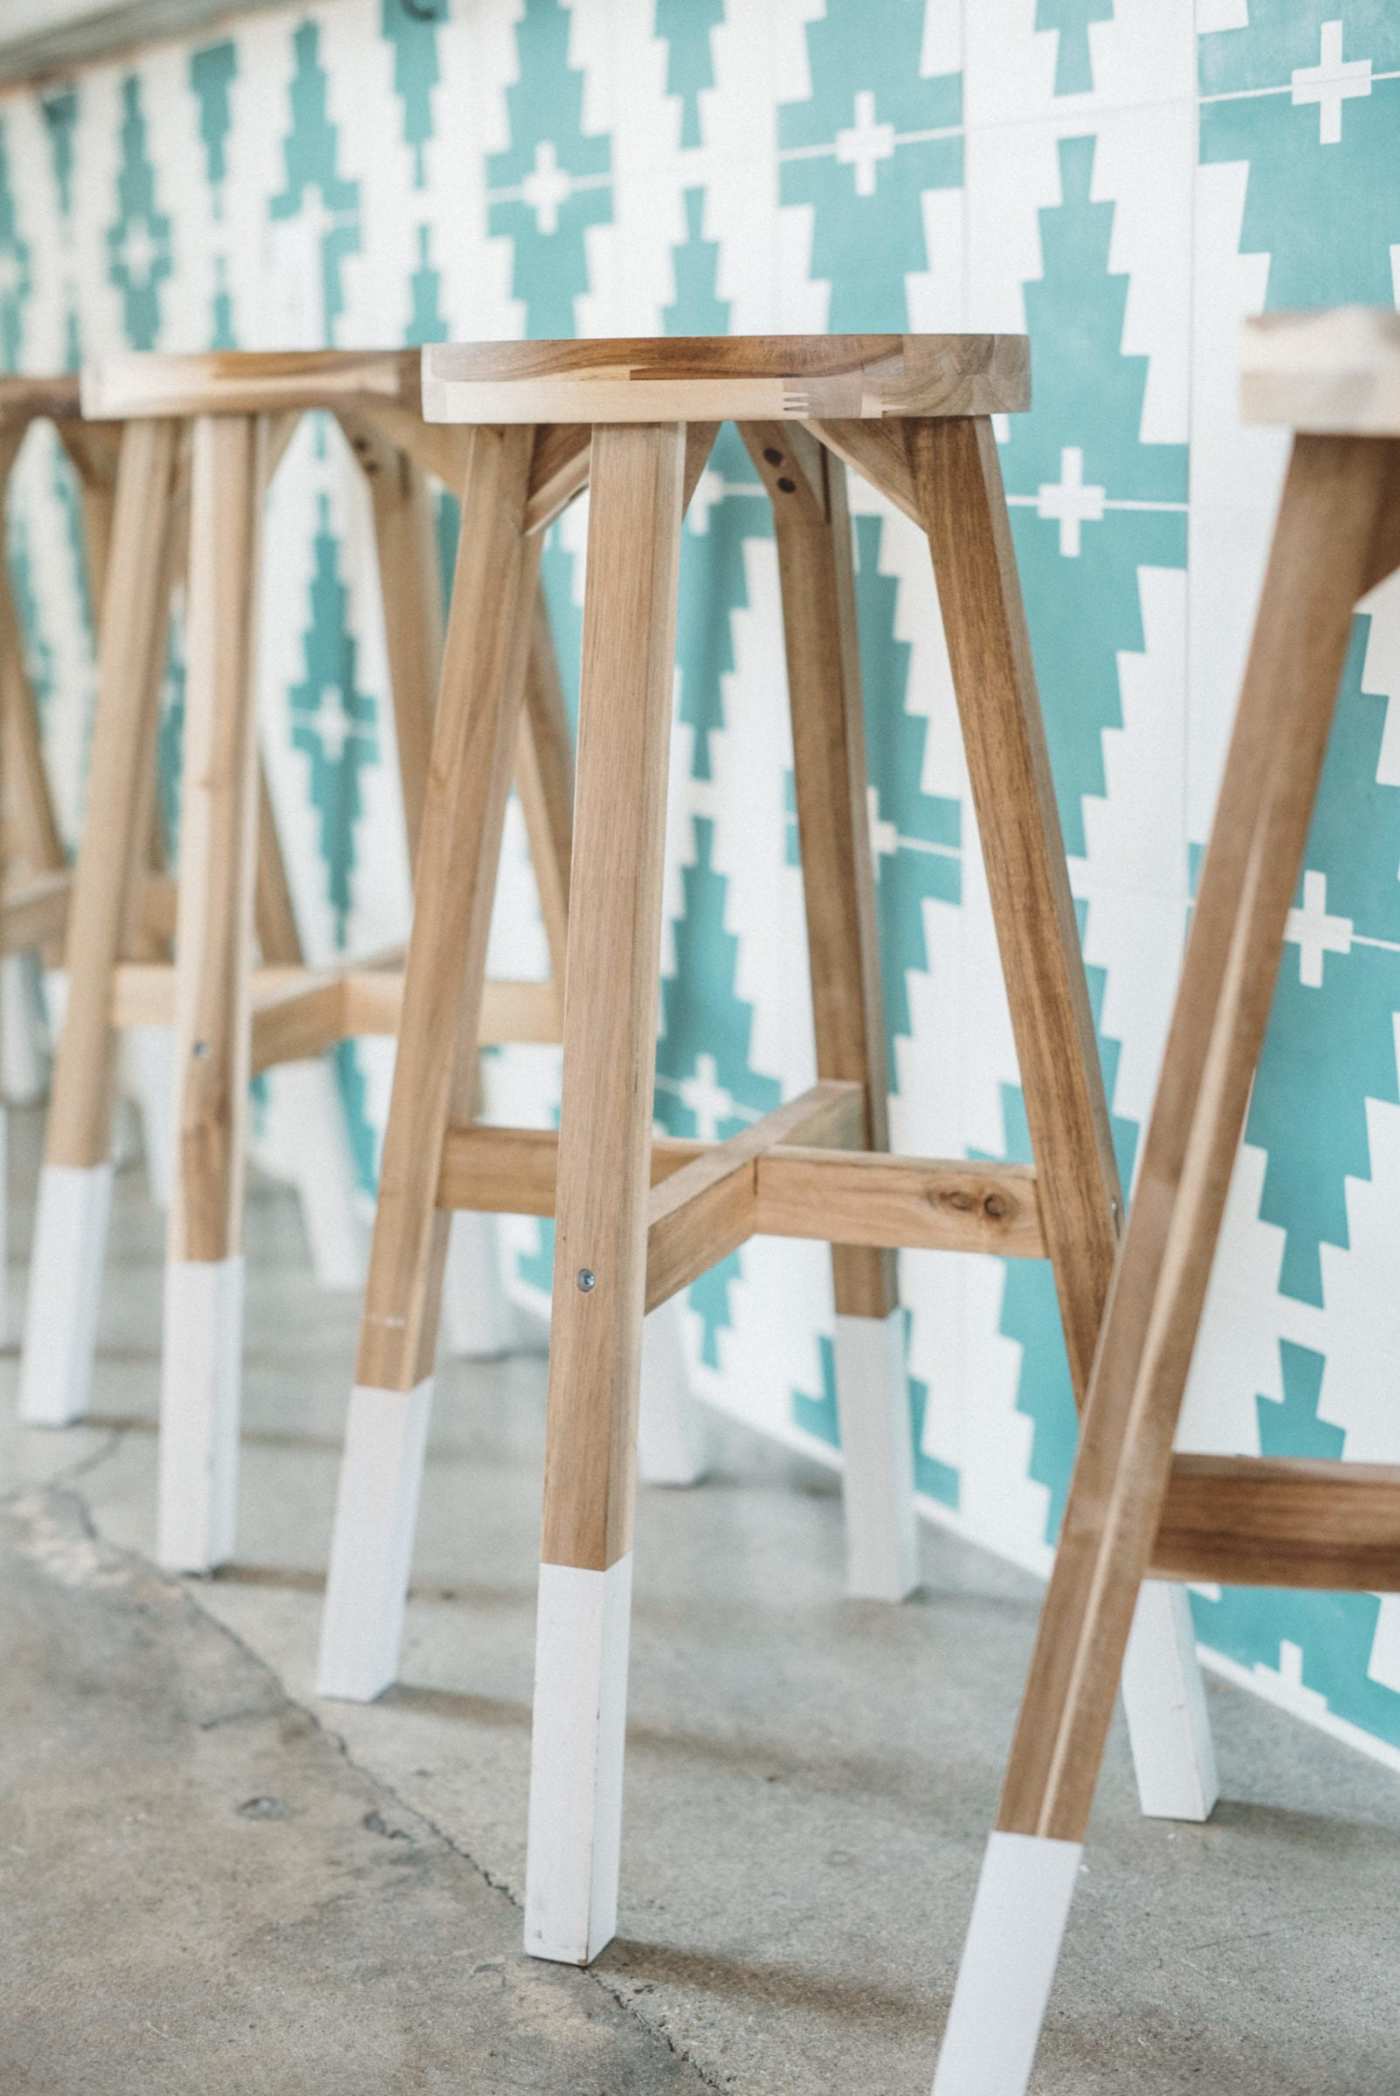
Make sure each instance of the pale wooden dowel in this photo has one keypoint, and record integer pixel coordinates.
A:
(957, 479)
(473, 744)
(411, 594)
(600, 1258)
(817, 577)
(544, 779)
(218, 832)
(610, 993)
(131, 650)
(274, 912)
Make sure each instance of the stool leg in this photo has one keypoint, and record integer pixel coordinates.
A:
(816, 569)
(1321, 563)
(76, 1182)
(958, 480)
(610, 1001)
(435, 1071)
(201, 1359)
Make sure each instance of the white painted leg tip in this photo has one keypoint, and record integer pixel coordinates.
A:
(872, 1402)
(381, 1473)
(671, 1440)
(1008, 1966)
(539, 1946)
(65, 1290)
(576, 1758)
(201, 1365)
(1165, 1701)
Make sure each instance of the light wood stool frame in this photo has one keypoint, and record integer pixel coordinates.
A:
(1134, 1508)
(201, 437)
(639, 1218)
(34, 906)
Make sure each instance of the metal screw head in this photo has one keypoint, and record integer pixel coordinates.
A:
(587, 1280)
(200, 1048)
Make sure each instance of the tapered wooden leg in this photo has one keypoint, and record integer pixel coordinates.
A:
(1321, 562)
(434, 1076)
(75, 1186)
(816, 568)
(603, 1183)
(411, 595)
(201, 1361)
(482, 1322)
(957, 481)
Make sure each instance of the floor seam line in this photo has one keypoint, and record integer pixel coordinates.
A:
(189, 1586)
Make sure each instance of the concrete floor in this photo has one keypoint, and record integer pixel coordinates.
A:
(211, 1879)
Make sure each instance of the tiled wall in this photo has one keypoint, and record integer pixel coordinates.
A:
(1124, 178)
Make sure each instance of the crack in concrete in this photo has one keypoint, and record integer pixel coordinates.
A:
(189, 1589)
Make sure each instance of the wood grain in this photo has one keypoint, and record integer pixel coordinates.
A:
(610, 993)
(218, 841)
(700, 1214)
(1257, 1522)
(131, 650)
(847, 1197)
(474, 737)
(1326, 528)
(151, 383)
(740, 377)
(544, 780)
(816, 575)
(958, 479)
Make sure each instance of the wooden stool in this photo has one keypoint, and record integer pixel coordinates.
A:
(204, 434)
(1334, 378)
(34, 897)
(638, 1218)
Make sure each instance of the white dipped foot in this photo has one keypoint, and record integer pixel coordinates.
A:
(1008, 1966)
(65, 1290)
(201, 1370)
(670, 1430)
(872, 1406)
(576, 1754)
(1164, 1698)
(148, 1054)
(376, 1512)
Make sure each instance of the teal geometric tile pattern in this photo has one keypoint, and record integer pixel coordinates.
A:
(485, 168)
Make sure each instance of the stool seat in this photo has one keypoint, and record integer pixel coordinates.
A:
(50, 399)
(708, 378)
(1333, 373)
(247, 382)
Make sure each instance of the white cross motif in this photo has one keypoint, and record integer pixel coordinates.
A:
(332, 723)
(865, 143)
(139, 253)
(705, 1097)
(546, 187)
(1069, 500)
(1314, 933)
(1330, 83)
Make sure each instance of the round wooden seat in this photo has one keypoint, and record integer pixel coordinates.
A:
(49, 399)
(708, 378)
(1333, 373)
